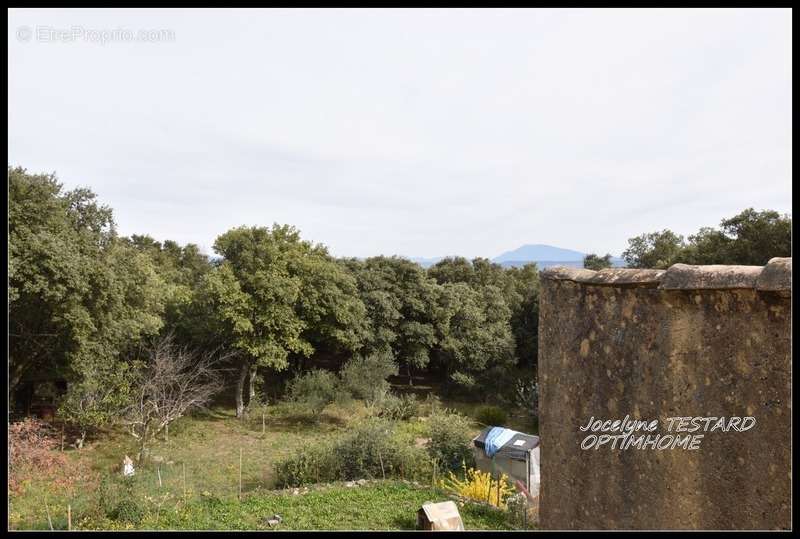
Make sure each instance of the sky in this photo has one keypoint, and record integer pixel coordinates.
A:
(413, 132)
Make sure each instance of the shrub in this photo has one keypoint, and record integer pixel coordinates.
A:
(368, 451)
(127, 510)
(479, 486)
(314, 390)
(431, 405)
(450, 436)
(310, 465)
(491, 415)
(98, 398)
(117, 496)
(364, 377)
(31, 445)
(398, 408)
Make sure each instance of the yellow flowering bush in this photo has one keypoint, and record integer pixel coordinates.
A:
(480, 486)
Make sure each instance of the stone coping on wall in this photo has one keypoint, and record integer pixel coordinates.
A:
(776, 276)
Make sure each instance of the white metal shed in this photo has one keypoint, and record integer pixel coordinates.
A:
(518, 458)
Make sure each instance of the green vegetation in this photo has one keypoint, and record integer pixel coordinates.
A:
(595, 262)
(446, 447)
(314, 390)
(400, 407)
(206, 448)
(333, 369)
(84, 303)
(389, 505)
(365, 377)
(750, 238)
(491, 415)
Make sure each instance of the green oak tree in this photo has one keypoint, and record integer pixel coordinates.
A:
(596, 262)
(474, 332)
(400, 303)
(749, 238)
(657, 250)
(274, 297)
(80, 299)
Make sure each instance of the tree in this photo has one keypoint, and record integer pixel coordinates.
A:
(314, 390)
(453, 269)
(758, 236)
(400, 301)
(474, 332)
(749, 238)
(365, 377)
(595, 262)
(97, 398)
(173, 381)
(274, 297)
(79, 298)
(329, 305)
(525, 314)
(519, 287)
(657, 250)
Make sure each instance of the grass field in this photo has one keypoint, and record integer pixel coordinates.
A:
(191, 481)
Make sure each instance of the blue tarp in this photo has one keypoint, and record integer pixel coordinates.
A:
(496, 438)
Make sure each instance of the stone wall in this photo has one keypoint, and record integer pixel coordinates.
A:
(710, 341)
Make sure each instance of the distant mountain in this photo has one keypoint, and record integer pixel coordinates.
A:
(616, 262)
(426, 262)
(536, 253)
(542, 264)
(545, 256)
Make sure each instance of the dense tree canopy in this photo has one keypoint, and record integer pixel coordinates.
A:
(400, 302)
(276, 296)
(595, 262)
(79, 297)
(749, 238)
(654, 250)
(83, 302)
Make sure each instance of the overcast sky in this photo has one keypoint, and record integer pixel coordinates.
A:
(412, 132)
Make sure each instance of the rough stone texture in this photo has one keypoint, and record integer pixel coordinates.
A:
(624, 276)
(570, 274)
(776, 276)
(683, 276)
(684, 349)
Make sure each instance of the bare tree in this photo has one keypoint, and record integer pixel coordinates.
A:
(173, 381)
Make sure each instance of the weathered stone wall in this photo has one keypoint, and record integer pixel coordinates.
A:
(687, 341)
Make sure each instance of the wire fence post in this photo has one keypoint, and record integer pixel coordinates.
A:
(489, 493)
(240, 473)
(49, 520)
(69, 517)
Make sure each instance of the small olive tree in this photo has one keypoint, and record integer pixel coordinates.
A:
(315, 390)
(172, 381)
(365, 377)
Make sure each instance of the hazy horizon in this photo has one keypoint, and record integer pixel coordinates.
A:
(421, 133)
